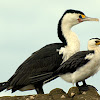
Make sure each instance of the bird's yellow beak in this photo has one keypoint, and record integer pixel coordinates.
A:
(90, 19)
(98, 43)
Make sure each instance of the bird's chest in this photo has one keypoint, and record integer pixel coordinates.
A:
(87, 70)
(67, 52)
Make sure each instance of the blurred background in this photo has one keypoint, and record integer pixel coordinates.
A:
(28, 25)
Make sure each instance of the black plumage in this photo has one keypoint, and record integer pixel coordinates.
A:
(74, 62)
(44, 60)
(73, 11)
(70, 66)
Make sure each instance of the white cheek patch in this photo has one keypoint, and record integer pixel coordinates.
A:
(89, 56)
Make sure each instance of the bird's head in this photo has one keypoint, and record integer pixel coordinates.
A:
(93, 43)
(68, 20)
(73, 17)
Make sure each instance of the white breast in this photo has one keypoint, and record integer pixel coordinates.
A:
(73, 46)
(84, 72)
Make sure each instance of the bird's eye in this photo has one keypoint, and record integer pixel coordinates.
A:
(81, 16)
(96, 41)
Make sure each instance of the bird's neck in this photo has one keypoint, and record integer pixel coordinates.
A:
(96, 49)
(71, 38)
(73, 43)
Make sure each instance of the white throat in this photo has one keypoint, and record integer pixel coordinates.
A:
(73, 43)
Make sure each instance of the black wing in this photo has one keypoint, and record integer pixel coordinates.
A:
(74, 62)
(71, 65)
(42, 61)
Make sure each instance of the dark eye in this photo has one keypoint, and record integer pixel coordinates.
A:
(96, 41)
(80, 16)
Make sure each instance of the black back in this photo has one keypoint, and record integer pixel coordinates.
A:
(45, 60)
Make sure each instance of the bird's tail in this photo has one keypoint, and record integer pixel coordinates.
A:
(3, 86)
(42, 77)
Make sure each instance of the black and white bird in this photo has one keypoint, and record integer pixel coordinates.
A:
(50, 57)
(79, 66)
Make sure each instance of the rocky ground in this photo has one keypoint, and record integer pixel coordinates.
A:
(59, 94)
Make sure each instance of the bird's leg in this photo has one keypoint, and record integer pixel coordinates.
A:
(88, 86)
(39, 89)
(84, 87)
(84, 84)
(77, 84)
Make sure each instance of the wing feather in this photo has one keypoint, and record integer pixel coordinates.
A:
(74, 62)
(44, 60)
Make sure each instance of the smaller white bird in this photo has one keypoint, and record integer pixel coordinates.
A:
(78, 67)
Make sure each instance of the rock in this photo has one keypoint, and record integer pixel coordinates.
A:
(17, 98)
(59, 94)
(91, 94)
(43, 97)
(73, 92)
(56, 91)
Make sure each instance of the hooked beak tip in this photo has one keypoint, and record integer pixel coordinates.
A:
(97, 19)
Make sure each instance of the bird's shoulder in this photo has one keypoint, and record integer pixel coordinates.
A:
(47, 51)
